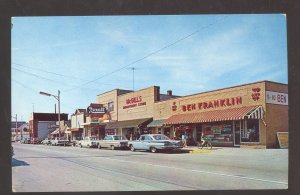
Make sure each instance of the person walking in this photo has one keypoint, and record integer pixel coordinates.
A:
(183, 139)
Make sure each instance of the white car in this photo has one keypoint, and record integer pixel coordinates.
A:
(46, 141)
(113, 141)
(89, 142)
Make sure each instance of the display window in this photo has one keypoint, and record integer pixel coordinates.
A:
(250, 130)
(128, 132)
(110, 132)
(167, 132)
(219, 132)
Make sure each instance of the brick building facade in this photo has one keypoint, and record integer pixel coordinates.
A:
(249, 114)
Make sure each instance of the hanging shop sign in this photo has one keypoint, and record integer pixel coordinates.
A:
(95, 111)
(92, 110)
(210, 104)
(276, 98)
(134, 102)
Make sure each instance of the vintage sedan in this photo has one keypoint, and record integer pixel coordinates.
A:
(59, 141)
(90, 142)
(46, 141)
(113, 141)
(25, 141)
(154, 142)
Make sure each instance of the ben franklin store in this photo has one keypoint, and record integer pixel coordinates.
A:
(249, 114)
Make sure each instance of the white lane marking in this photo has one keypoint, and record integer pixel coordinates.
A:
(198, 171)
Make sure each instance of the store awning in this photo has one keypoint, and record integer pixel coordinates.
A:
(156, 123)
(253, 112)
(56, 131)
(128, 124)
(76, 129)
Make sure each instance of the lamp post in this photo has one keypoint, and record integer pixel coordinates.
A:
(58, 99)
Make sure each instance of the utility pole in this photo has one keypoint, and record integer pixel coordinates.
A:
(58, 99)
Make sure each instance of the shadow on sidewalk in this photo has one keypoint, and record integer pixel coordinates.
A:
(17, 163)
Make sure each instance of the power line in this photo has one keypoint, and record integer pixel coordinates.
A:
(52, 73)
(153, 53)
(37, 92)
(49, 72)
(24, 85)
(35, 75)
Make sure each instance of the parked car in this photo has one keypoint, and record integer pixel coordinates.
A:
(46, 141)
(90, 142)
(25, 141)
(154, 142)
(35, 140)
(59, 141)
(113, 141)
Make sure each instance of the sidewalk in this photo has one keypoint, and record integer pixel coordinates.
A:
(196, 149)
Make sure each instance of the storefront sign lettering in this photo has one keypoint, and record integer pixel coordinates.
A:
(212, 104)
(276, 98)
(96, 110)
(134, 102)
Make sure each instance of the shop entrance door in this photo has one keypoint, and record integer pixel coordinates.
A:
(237, 133)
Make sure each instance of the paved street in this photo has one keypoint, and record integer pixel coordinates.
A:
(53, 168)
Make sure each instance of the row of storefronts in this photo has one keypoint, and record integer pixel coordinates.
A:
(249, 114)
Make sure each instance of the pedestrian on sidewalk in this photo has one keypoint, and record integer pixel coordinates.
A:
(183, 139)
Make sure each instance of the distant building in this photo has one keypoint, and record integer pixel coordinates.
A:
(42, 124)
(78, 118)
(17, 132)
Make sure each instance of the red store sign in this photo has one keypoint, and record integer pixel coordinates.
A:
(210, 104)
(134, 102)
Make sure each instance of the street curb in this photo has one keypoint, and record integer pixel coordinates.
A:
(200, 151)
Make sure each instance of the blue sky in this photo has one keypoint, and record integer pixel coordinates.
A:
(86, 56)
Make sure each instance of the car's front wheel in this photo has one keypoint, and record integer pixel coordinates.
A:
(112, 147)
(99, 146)
(132, 148)
(153, 149)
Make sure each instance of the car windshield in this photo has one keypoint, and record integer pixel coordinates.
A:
(160, 137)
(119, 137)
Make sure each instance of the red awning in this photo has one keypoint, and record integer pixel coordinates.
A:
(76, 129)
(216, 115)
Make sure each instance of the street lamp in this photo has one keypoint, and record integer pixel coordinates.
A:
(58, 99)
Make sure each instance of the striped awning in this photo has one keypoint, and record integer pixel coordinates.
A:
(253, 112)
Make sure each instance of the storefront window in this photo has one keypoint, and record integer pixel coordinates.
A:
(237, 133)
(251, 133)
(110, 132)
(167, 132)
(220, 132)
